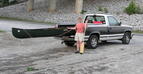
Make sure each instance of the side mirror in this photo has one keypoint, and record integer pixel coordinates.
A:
(119, 23)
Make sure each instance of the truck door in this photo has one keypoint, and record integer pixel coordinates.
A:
(114, 26)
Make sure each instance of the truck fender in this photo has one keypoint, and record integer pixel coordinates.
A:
(129, 31)
(95, 32)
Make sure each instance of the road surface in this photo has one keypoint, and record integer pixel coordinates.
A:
(7, 25)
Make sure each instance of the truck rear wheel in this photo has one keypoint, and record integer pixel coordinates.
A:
(126, 38)
(69, 44)
(92, 42)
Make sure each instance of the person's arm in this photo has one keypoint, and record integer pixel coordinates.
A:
(73, 28)
(86, 24)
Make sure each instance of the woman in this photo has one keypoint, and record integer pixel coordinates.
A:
(79, 36)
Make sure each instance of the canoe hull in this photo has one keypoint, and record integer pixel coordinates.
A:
(45, 32)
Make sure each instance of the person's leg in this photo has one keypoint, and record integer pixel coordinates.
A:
(77, 46)
(81, 47)
(82, 44)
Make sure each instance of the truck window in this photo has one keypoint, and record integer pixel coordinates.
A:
(96, 19)
(112, 21)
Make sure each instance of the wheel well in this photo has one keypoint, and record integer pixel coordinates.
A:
(129, 32)
(96, 35)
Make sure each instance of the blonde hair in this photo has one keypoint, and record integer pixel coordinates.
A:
(79, 19)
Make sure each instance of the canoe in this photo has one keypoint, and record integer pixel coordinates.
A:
(44, 32)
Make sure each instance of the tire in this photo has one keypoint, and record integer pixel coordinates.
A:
(92, 42)
(126, 38)
(69, 44)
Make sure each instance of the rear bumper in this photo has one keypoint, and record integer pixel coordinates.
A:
(69, 38)
(66, 38)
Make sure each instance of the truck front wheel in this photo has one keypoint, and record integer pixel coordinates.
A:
(69, 44)
(126, 38)
(92, 42)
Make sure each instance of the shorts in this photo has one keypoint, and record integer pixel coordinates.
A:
(79, 37)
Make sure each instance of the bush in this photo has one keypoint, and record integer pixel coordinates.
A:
(31, 69)
(83, 11)
(1, 31)
(132, 8)
(105, 10)
(13, 2)
(100, 8)
(7, 2)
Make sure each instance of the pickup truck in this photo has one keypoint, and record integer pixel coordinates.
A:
(100, 28)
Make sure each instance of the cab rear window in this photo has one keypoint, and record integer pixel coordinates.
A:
(96, 19)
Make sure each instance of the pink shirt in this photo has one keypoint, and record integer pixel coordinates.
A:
(80, 27)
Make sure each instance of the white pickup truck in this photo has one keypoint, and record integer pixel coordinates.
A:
(101, 27)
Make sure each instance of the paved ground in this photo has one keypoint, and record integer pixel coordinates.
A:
(48, 56)
(6, 25)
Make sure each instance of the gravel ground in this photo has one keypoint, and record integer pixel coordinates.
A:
(48, 56)
(7, 25)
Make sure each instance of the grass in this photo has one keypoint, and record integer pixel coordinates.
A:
(31, 69)
(1, 31)
(138, 31)
(25, 20)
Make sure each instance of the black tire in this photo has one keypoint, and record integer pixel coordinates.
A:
(69, 44)
(92, 42)
(126, 38)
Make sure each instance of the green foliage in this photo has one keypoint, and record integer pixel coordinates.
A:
(6, 2)
(31, 69)
(83, 11)
(13, 2)
(137, 31)
(105, 10)
(1, 31)
(100, 8)
(133, 8)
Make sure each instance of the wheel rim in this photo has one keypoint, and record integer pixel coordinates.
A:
(93, 42)
(127, 39)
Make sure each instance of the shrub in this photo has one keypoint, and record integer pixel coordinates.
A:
(31, 69)
(102, 9)
(1, 31)
(5, 2)
(13, 2)
(132, 8)
(105, 10)
(83, 11)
